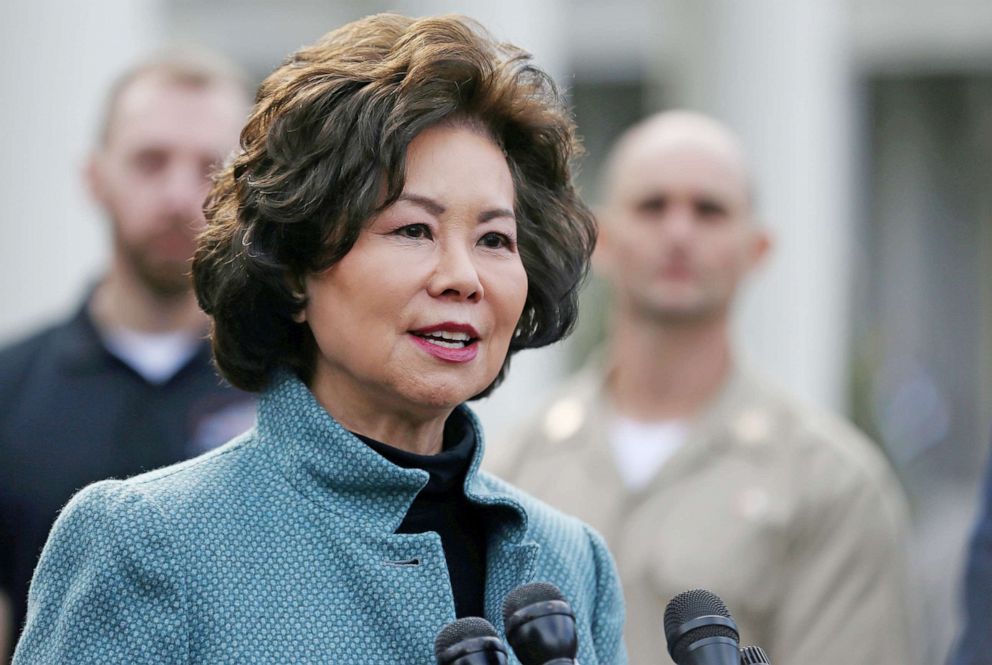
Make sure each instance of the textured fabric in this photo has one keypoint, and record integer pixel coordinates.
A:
(71, 413)
(789, 515)
(442, 507)
(975, 644)
(280, 547)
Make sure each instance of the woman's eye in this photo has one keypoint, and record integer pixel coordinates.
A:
(414, 231)
(494, 240)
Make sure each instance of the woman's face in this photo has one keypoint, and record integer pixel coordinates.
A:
(418, 316)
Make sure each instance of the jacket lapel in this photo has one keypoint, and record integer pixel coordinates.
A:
(512, 559)
(509, 566)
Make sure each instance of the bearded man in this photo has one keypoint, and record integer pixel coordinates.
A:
(126, 383)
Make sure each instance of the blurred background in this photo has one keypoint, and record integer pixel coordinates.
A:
(869, 123)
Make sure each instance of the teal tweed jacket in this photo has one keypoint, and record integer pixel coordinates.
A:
(280, 547)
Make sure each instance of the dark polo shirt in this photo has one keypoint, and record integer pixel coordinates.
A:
(71, 413)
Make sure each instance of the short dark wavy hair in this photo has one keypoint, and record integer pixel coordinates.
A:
(324, 150)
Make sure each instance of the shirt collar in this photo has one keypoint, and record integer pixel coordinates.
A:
(447, 468)
(78, 343)
(80, 347)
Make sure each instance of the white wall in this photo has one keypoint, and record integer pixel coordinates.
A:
(779, 74)
(57, 60)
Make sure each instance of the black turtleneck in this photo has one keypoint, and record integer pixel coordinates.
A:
(443, 508)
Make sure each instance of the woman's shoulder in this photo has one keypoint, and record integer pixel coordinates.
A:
(169, 492)
(102, 519)
(108, 548)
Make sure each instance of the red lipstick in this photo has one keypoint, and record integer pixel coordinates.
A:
(449, 341)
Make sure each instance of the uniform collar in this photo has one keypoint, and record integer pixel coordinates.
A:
(741, 413)
(736, 414)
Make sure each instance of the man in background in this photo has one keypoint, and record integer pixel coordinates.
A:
(698, 472)
(126, 384)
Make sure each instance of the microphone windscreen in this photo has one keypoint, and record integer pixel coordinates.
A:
(753, 656)
(460, 630)
(528, 594)
(690, 605)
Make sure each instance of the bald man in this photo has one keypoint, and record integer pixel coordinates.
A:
(698, 472)
(125, 384)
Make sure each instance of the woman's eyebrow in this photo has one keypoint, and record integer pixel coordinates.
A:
(436, 209)
(495, 213)
(425, 202)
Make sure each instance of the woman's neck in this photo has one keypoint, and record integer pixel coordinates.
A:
(415, 433)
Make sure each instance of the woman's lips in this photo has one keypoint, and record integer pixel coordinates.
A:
(449, 354)
(448, 341)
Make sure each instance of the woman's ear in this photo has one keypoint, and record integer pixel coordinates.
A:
(299, 288)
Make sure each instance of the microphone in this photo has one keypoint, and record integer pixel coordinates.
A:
(469, 641)
(753, 656)
(700, 631)
(540, 625)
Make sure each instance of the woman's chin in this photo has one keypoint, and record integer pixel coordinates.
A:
(446, 394)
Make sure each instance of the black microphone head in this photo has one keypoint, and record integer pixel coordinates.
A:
(540, 624)
(690, 606)
(466, 636)
(753, 656)
(463, 629)
(528, 594)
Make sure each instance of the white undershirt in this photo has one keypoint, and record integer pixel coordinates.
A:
(155, 356)
(642, 448)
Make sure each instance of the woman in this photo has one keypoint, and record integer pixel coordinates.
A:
(400, 220)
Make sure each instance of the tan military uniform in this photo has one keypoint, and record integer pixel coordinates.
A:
(791, 516)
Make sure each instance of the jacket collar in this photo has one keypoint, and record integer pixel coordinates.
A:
(336, 470)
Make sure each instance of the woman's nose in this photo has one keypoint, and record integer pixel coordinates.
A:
(456, 275)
